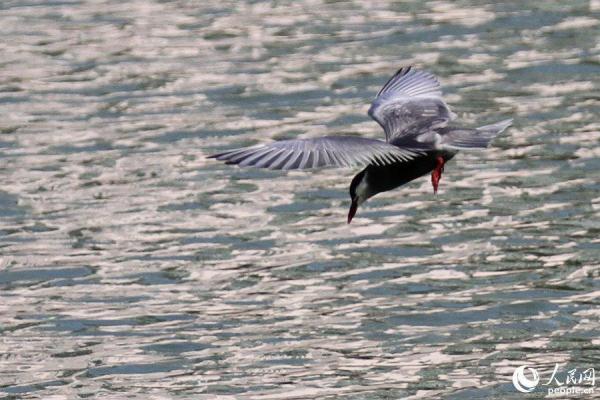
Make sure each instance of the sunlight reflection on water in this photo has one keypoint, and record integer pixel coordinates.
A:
(133, 264)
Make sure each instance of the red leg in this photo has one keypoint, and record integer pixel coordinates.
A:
(436, 174)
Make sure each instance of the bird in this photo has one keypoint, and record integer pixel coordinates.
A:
(420, 137)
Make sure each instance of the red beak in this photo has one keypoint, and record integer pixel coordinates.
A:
(352, 211)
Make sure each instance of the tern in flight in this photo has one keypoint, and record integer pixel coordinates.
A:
(419, 139)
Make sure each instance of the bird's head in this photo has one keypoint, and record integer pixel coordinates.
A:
(359, 192)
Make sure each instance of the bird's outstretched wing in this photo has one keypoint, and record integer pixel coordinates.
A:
(410, 103)
(338, 151)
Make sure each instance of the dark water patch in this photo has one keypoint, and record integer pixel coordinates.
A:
(83, 326)
(402, 251)
(36, 275)
(135, 369)
(22, 389)
(176, 347)
(9, 205)
(91, 148)
(156, 278)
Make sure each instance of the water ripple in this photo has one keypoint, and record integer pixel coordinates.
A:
(132, 265)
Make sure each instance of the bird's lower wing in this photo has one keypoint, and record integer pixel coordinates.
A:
(337, 151)
(462, 139)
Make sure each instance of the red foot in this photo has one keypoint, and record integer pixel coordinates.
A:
(436, 174)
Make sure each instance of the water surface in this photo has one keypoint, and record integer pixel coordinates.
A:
(131, 265)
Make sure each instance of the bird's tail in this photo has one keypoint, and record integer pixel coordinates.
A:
(496, 128)
(462, 139)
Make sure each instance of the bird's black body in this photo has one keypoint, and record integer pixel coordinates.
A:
(382, 178)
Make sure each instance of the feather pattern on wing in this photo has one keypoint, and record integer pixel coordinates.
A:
(409, 104)
(338, 151)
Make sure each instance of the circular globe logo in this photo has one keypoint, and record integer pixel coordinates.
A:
(522, 383)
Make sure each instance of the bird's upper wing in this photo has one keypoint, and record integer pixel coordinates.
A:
(410, 103)
(339, 151)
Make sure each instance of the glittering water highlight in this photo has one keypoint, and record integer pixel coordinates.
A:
(131, 265)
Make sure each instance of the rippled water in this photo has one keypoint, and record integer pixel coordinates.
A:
(134, 266)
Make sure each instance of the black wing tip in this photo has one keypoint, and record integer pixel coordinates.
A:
(399, 73)
(224, 154)
(222, 157)
(404, 70)
(224, 160)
